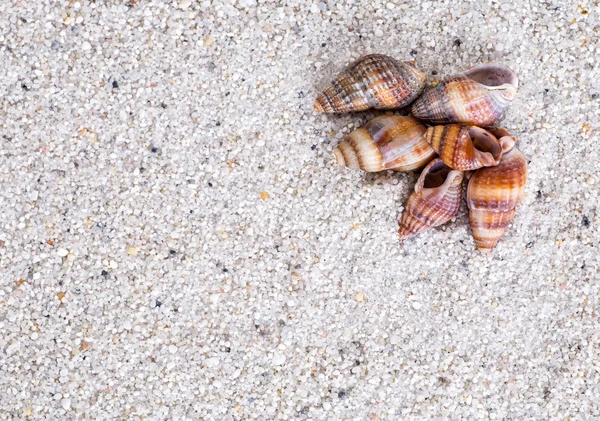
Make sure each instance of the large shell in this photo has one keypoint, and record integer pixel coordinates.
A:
(435, 200)
(373, 81)
(463, 147)
(494, 192)
(386, 142)
(477, 96)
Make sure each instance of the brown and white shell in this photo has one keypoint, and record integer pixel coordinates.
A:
(386, 142)
(463, 147)
(477, 96)
(373, 81)
(435, 201)
(494, 192)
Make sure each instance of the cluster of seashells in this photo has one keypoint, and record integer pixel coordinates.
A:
(460, 142)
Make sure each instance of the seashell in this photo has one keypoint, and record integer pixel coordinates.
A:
(372, 81)
(435, 200)
(494, 192)
(478, 96)
(463, 147)
(386, 142)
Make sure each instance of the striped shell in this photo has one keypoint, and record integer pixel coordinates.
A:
(463, 147)
(386, 142)
(477, 96)
(373, 81)
(435, 201)
(494, 192)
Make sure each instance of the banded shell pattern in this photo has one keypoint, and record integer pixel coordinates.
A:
(435, 201)
(466, 103)
(493, 194)
(386, 142)
(477, 96)
(463, 147)
(372, 81)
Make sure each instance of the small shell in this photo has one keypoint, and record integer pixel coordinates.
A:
(386, 142)
(494, 192)
(464, 147)
(477, 96)
(436, 199)
(373, 81)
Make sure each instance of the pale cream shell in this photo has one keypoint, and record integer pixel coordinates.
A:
(386, 142)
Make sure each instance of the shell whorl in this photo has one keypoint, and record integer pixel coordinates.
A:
(373, 81)
(435, 201)
(477, 96)
(463, 147)
(488, 227)
(386, 142)
(494, 193)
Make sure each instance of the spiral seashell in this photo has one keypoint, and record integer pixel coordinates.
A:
(372, 81)
(386, 142)
(463, 147)
(477, 96)
(494, 192)
(435, 201)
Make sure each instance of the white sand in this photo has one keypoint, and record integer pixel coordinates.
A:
(140, 285)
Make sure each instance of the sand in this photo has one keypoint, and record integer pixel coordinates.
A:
(176, 242)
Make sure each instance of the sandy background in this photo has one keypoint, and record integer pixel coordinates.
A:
(176, 243)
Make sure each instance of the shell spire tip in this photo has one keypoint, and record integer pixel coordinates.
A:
(318, 107)
(339, 157)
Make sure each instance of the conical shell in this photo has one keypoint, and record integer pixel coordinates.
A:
(435, 201)
(373, 81)
(388, 142)
(463, 147)
(477, 96)
(494, 192)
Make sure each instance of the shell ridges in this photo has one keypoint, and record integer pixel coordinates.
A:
(494, 193)
(435, 201)
(477, 96)
(386, 142)
(373, 81)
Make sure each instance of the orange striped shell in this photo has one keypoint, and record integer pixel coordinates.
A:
(494, 192)
(372, 81)
(463, 147)
(435, 201)
(477, 96)
(386, 142)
